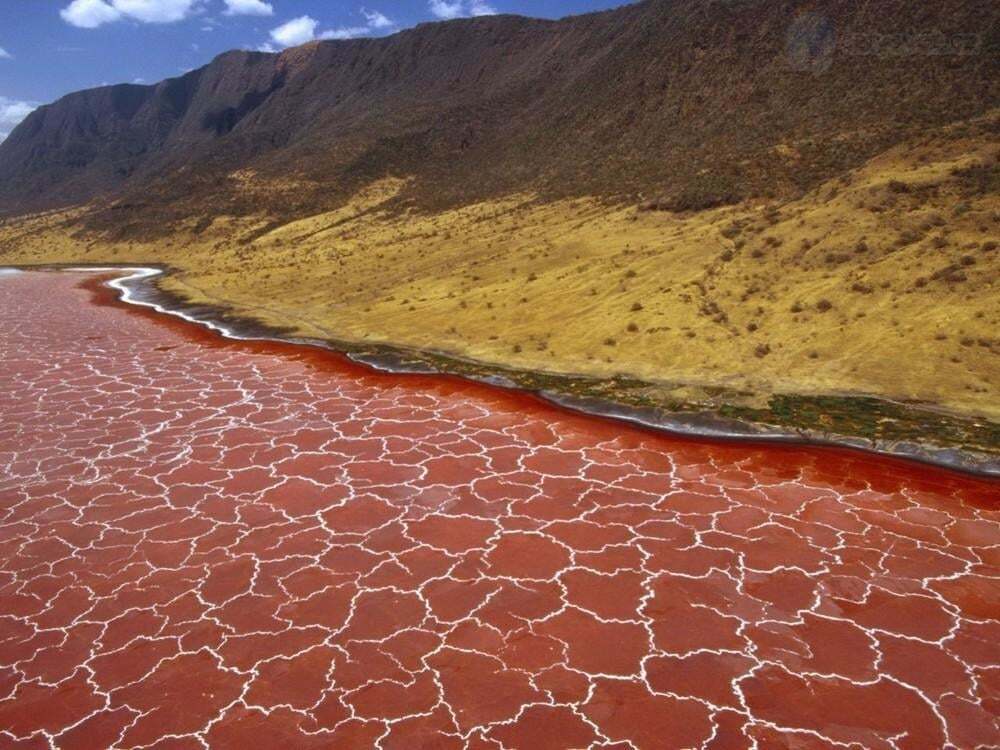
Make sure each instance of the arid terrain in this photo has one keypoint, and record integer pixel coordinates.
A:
(882, 281)
(223, 544)
(720, 281)
(651, 193)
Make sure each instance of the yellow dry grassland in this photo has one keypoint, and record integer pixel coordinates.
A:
(883, 281)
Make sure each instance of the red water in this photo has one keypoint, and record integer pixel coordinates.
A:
(223, 544)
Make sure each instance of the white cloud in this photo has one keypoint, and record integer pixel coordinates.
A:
(303, 29)
(89, 14)
(481, 8)
(4, 54)
(345, 32)
(12, 112)
(447, 9)
(377, 20)
(248, 8)
(297, 31)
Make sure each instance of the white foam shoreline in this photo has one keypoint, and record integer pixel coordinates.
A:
(138, 279)
(131, 285)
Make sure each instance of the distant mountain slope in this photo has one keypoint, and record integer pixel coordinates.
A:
(696, 102)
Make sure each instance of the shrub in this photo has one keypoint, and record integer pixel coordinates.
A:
(979, 179)
(702, 192)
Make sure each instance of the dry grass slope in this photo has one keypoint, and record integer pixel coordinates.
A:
(881, 281)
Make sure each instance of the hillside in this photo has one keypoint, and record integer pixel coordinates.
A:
(694, 102)
(712, 203)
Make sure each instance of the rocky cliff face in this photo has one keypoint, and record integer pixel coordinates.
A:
(690, 103)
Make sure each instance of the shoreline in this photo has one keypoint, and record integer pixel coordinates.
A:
(137, 287)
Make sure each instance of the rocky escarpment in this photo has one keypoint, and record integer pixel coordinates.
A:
(684, 104)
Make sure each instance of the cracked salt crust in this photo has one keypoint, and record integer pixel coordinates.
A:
(208, 543)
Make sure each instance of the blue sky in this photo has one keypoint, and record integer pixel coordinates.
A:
(51, 47)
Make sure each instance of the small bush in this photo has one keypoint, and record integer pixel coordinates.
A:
(701, 193)
(979, 179)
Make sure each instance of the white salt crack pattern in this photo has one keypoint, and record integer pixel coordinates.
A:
(208, 543)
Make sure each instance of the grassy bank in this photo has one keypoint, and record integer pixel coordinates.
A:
(882, 282)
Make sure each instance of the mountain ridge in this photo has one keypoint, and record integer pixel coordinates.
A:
(682, 100)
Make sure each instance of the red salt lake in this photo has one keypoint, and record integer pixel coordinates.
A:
(212, 543)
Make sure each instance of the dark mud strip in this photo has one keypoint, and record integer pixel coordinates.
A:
(215, 543)
(139, 288)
